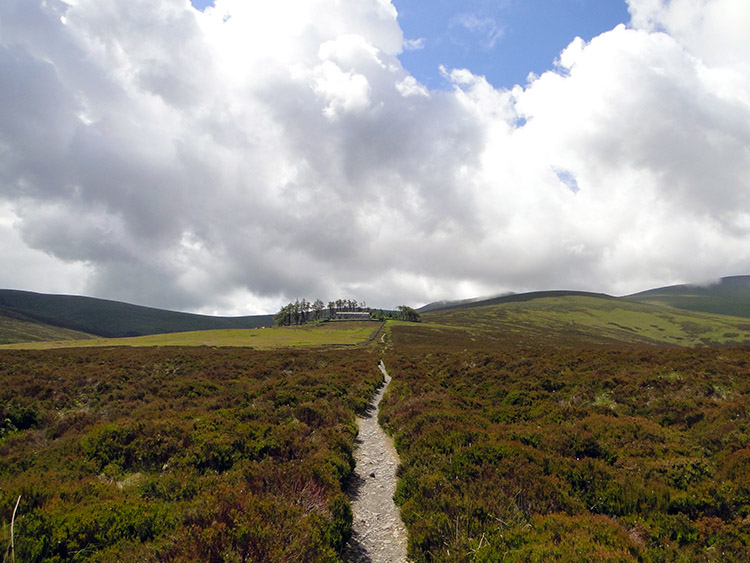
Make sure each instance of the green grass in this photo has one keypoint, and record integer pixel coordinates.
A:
(347, 333)
(584, 320)
(16, 330)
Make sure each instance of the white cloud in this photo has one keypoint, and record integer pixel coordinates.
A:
(230, 160)
(713, 30)
(343, 91)
(409, 86)
(414, 44)
(484, 26)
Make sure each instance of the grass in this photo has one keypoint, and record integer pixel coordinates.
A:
(348, 333)
(577, 320)
(16, 330)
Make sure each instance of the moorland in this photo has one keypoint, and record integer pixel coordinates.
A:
(552, 426)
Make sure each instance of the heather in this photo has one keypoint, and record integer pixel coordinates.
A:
(180, 454)
(536, 454)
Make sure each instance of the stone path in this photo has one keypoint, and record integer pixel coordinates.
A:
(378, 534)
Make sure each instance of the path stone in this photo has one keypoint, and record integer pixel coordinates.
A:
(378, 534)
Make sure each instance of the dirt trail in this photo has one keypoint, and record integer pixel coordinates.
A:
(378, 535)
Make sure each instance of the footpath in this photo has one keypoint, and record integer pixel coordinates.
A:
(378, 534)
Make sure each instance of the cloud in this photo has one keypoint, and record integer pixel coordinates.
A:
(414, 44)
(486, 27)
(34, 270)
(713, 30)
(233, 159)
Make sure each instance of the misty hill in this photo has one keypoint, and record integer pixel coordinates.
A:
(505, 298)
(20, 310)
(445, 304)
(729, 296)
(578, 319)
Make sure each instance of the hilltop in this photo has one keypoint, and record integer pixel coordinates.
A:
(728, 296)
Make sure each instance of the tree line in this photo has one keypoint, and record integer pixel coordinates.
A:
(303, 311)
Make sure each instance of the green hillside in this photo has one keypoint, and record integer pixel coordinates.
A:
(501, 299)
(110, 319)
(729, 296)
(15, 328)
(568, 319)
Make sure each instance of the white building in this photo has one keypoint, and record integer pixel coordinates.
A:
(352, 316)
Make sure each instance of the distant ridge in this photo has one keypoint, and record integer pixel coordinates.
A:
(111, 319)
(438, 305)
(507, 298)
(26, 315)
(728, 296)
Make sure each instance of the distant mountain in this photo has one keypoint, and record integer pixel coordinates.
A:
(728, 296)
(111, 319)
(445, 304)
(505, 298)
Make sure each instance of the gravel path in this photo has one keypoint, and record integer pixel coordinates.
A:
(378, 534)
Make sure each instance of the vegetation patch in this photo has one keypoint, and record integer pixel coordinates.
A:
(177, 454)
(345, 333)
(14, 330)
(534, 454)
(574, 321)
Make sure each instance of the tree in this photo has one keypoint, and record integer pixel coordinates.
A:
(284, 316)
(318, 307)
(409, 314)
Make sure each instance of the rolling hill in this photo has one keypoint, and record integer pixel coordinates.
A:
(24, 312)
(580, 319)
(684, 315)
(504, 298)
(15, 327)
(729, 296)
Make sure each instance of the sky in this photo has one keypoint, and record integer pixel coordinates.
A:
(229, 158)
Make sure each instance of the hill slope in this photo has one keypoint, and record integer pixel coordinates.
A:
(15, 328)
(567, 319)
(501, 299)
(110, 319)
(730, 296)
